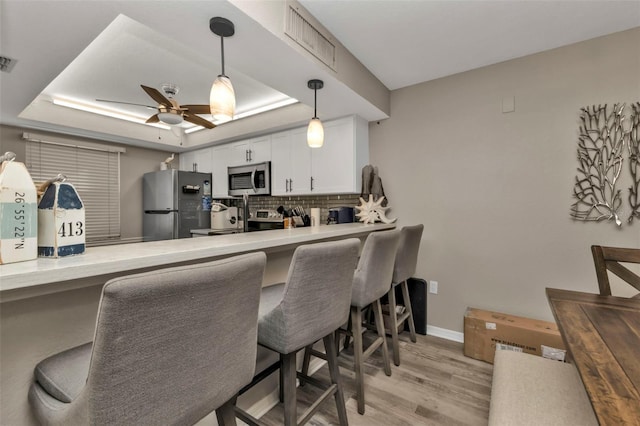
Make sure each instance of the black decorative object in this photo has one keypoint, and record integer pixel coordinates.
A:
(634, 162)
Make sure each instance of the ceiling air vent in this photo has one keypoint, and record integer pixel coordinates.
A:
(6, 64)
(307, 36)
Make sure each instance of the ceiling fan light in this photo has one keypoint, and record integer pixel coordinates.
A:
(222, 99)
(170, 118)
(315, 133)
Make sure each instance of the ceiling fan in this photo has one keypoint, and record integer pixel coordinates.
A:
(169, 110)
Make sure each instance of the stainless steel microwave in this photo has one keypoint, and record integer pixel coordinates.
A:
(253, 179)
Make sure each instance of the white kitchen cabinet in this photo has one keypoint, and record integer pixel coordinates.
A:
(337, 166)
(251, 151)
(290, 163)
(186, 161)
(200, 157)
(220, 158)
(296, 169)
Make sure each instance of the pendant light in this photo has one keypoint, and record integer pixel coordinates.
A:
(315, 132)
(222, 99)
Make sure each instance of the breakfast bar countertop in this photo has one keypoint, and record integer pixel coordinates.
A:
(45, 275)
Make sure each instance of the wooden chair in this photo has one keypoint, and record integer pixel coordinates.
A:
(609, 258)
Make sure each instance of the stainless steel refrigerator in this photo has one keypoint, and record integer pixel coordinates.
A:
(173, 204)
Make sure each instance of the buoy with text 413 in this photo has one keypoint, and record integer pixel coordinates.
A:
(61, 220)
(18, 212)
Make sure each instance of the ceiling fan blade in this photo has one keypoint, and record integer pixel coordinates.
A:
(153, 119)
(198, 109)
(157, 96)
(126, 103)
(192, 118)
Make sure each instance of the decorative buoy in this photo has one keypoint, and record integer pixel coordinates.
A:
(61, 220)
(18, 206)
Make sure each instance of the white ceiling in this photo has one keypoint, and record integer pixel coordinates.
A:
(408, 42)
(106, 48)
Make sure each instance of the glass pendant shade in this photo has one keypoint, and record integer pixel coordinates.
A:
(222, 99)
(315, 133)
(170, 118)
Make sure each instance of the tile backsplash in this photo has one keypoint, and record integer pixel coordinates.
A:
(324, 202)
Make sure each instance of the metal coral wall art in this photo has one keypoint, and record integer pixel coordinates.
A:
(634, 162)
(601, 150)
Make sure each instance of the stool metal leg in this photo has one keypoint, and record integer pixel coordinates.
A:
(356, 323)
(334, 372)
(407, 303)
(377, 311)
(281, 378)
(346, 337)
(288, 371)
(226, 415)
(395, 345)
(305, 362)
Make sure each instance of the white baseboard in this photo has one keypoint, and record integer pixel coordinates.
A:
(444, 333)
(264, 405)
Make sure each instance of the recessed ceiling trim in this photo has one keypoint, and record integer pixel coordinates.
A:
(106, 112)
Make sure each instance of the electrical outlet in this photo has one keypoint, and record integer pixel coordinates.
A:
(433, 287)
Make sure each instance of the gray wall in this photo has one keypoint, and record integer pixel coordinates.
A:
(133, 164)
(494, 189)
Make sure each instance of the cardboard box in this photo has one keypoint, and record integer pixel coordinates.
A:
(485, 330)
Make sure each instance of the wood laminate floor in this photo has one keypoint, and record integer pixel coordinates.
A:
(435, 384)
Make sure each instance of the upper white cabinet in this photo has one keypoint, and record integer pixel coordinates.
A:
(290, 163)
(249, 151)
(297, 169)
(337, 166)
(198, 160)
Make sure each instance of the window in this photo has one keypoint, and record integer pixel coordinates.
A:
(93, 169)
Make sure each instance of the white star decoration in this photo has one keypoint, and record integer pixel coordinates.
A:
(372, 211)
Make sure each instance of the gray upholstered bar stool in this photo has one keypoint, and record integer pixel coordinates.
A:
(370, 283)
(170, 346)
(405, 268)
(310, 306)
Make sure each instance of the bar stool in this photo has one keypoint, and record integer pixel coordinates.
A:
(405, 268)
(370, 283)
(170, 346)
(310, 306)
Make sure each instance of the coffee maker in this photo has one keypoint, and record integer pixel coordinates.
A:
(340, 215)
(224, 218)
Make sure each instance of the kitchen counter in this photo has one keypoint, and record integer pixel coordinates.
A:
(207, 232)
(49, 305)
(44, 276)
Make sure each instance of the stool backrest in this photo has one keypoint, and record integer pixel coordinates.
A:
(317, 292)
(172, 345)
(372, 277)
(609, 258)
(407, 256)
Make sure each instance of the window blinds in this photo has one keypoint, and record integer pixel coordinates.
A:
(94, 172)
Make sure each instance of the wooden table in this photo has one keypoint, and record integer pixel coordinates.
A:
(602, 334)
